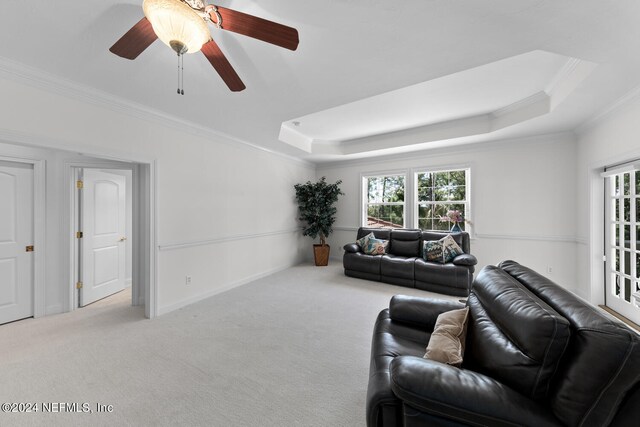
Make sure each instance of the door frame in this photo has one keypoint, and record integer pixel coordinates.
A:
(144, 265)
(39, 230)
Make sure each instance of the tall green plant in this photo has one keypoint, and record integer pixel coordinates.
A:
(315, 207)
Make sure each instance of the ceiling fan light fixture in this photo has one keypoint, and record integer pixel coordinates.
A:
(177, 25)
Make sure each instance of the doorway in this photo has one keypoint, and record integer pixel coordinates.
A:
(111, 246)
(622, 239)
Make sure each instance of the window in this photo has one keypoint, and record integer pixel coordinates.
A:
(384, 201)
(622, 219)
(440, 192)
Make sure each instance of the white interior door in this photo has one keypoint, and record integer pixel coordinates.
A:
(16, 233)
(103, 242)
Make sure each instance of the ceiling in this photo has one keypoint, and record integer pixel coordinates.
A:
(368, 78)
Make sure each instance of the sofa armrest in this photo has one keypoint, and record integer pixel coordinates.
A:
(465, 259)
(464, 396)
(352, 247)
(419, 311)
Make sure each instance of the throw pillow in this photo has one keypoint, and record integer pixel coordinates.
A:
(376, 247)
(364, 241)
(432, 251)
(450, 248)
(446, 344)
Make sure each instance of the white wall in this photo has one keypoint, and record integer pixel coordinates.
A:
(225, 210)
(611, 139)
(522, 199)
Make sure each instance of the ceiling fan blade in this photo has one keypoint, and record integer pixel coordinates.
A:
(135, 41)
(220, 62)
(258, 28)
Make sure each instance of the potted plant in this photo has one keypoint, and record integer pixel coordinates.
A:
(315, 207)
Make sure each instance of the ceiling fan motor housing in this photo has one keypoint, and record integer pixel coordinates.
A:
(179, 47)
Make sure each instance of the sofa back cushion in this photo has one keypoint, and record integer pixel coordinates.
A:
(513, 336)
(380, 233)
(601, 365)
(462, 239)
(405, 242)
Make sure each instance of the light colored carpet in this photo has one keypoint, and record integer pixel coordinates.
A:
(291, 349)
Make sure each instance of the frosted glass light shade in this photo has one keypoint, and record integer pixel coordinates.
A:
(173, 20)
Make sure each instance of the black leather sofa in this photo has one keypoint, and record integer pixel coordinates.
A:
(536, 355)
(404, 265)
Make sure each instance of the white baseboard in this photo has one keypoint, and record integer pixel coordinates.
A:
(191, 300)
(53, 309)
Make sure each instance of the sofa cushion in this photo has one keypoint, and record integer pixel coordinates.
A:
(601, 365)
(379, 233)
(447, 341)
(397, 266)
(362, 262)
(514, 336)
(405, 242)
(450, 275)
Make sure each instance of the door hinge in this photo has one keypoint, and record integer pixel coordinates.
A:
(29, 248)
(79, 285)
(79, 234)
(79, 184)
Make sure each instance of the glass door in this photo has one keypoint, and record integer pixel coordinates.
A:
(622, 239)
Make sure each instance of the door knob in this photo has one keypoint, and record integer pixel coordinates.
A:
(122, 239)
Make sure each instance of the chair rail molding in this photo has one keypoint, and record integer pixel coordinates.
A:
(223, 239)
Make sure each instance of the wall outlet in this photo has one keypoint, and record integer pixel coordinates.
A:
(187, 280)
(549, 269)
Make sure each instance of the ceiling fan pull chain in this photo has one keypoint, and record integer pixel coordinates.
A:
(182, 74)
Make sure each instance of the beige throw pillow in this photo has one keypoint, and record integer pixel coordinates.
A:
(446, 344)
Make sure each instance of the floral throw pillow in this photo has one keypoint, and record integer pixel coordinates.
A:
(450, 248)
(376, 247)
(364, 241)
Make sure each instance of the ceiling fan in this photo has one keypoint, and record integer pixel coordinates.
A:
(182, 25)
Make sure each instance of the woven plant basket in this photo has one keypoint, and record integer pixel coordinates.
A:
(321, 254)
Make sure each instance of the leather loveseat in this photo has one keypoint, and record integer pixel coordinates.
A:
(404, 265)
(536, 355)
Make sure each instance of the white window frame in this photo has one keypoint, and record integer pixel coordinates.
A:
(410, 209)
(618, 300)
(364, 195)
(467, 177)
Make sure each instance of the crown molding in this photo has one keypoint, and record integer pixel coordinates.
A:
(565, 73)
(37, 78)
(521, 104)
(44, 142)
(467, 148)
(604, 114)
